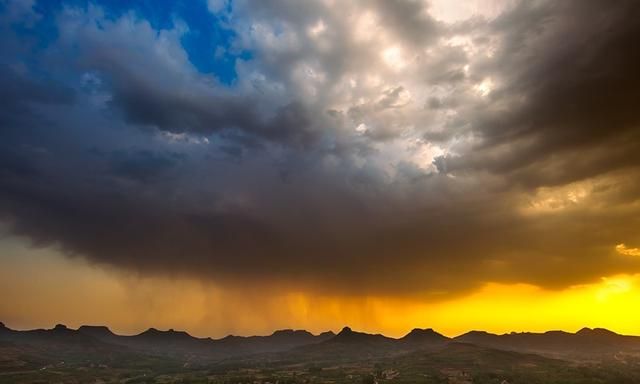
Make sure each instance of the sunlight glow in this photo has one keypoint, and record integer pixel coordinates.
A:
(203, 309)
(394, 58)
(623, 250)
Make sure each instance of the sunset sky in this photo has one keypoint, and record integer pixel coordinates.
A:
(232, 166)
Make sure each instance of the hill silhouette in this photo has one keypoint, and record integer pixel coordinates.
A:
(424, 336)
(585, 342)
(347, 343)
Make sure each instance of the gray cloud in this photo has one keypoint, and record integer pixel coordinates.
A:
(353, 154)
(567, 109)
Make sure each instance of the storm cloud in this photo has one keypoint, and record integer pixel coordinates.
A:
(364, 146)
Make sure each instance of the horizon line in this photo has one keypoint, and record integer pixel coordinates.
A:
(2, 323)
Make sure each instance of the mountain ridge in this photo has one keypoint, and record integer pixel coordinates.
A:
(347, 342)
(103, 329)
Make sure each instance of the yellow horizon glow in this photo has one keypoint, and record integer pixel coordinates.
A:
(46, 288)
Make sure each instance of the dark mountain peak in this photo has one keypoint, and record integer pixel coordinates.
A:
(168, 331)
(96, 330)
(595, 332)
(60, 327)
(422, 331)
(347, 335)
(232, 337)
(153, 332)
(604, 331)
(555, 333)
(172, 331)
(420, 335)
(477, 333)
(287, 331)
(2, 325)
(480, 337)
(327, 334)
(290, 332)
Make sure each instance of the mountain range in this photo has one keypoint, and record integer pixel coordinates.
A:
(585, 343)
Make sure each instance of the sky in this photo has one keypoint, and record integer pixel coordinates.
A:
(236, 166)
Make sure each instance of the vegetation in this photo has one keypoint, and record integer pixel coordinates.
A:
(452, 364)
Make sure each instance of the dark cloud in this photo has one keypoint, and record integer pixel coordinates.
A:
(315, 169)
(18, 93)
(153, 98)
(144, 165)
(567, 108)
(409, 20)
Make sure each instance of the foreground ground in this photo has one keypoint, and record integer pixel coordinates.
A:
(455, 363)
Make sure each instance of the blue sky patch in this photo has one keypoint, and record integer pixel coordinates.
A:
(207, 42)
